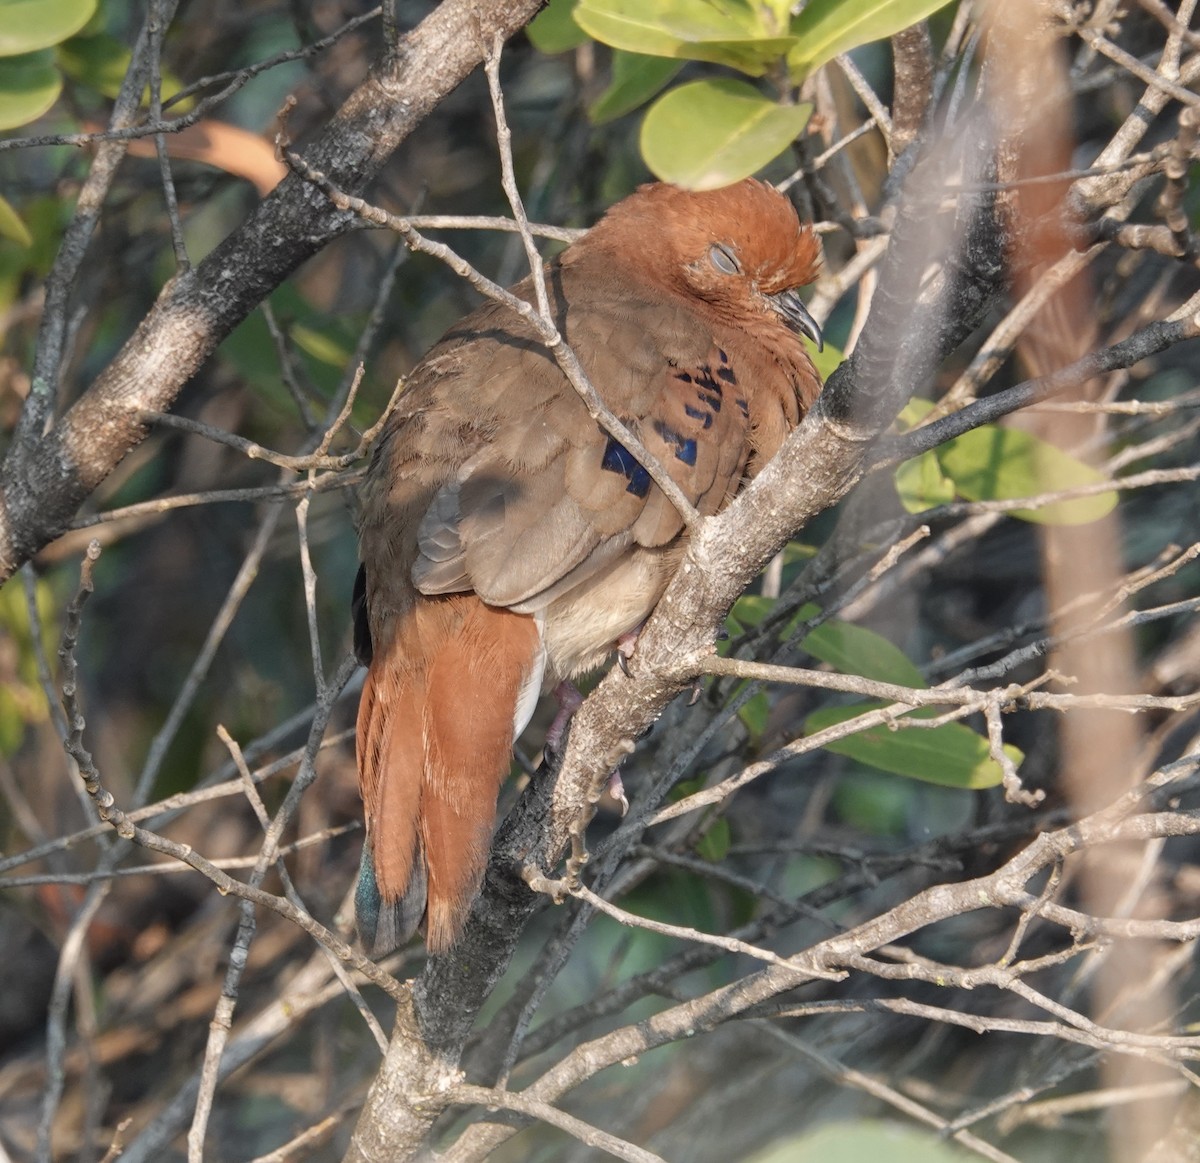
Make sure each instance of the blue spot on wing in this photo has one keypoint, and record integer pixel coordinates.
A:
(618, 458)
(709, 388)
(685, 447)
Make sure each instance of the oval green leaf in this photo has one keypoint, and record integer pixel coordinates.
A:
(29, 25)
(12, 227)
(323, 344)
(827, 28)
(635, 79)
(1004, 464)
(553, 30)
(754, 714)
(726, 32)
(99, 62)
(922, 484)
(853, 649)
(713, 846)
(852, 1142)
(951, 754)
(29, 85)
(711, 133)
(750, 609)
(874, 803)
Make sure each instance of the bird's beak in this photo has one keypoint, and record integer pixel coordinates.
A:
(795, 315)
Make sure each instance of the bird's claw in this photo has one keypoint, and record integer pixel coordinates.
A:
(626, 645)
(615, 790)
(569, 701)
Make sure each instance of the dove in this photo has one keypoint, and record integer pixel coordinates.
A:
(508, 542)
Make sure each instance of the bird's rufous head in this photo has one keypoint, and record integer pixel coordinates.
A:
(740, 249)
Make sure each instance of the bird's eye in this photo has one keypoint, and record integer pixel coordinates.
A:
(723, 260)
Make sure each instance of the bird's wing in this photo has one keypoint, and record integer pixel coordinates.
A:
(541, 491)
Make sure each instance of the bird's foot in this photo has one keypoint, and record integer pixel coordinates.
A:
(569, 701)
(626, 645)
(615, 790)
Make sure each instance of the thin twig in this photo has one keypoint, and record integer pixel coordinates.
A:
(584, 1132)
(567, 361)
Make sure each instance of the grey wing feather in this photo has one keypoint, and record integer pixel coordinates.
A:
(535, 508)
(440, 567)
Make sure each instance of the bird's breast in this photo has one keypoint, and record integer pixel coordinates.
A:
(582, 626)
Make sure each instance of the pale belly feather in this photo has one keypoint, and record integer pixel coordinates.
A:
(582, 626)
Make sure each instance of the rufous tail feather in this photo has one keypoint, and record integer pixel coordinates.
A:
(435, 733)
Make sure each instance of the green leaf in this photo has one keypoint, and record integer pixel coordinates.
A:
(852, 649)
(999, 464)
(795, 551)
(99, 62)
(950, 754)
(28, 25)
(12, 722)
(725, 32)
(750, 609)
(22, 699)
(874, 803)
(323, 344)
(913, 413)
(12, 227)
(711, 133)
(635, 79)
(779, 11)
(754, 713)
(554, 30)
(922, 484)
(45, 217)
(852, 1142)
(827, 28)
(714, 844)
(29, 85)
(827, 361)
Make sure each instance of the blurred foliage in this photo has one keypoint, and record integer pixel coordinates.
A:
(991, 463)
(859, 1142)
(22, 698)
(711, 132)
(949, 754)
(42, 42)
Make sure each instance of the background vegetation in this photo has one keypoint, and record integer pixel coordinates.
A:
(830, 926)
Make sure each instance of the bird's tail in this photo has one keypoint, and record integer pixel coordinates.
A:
(440, 707)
